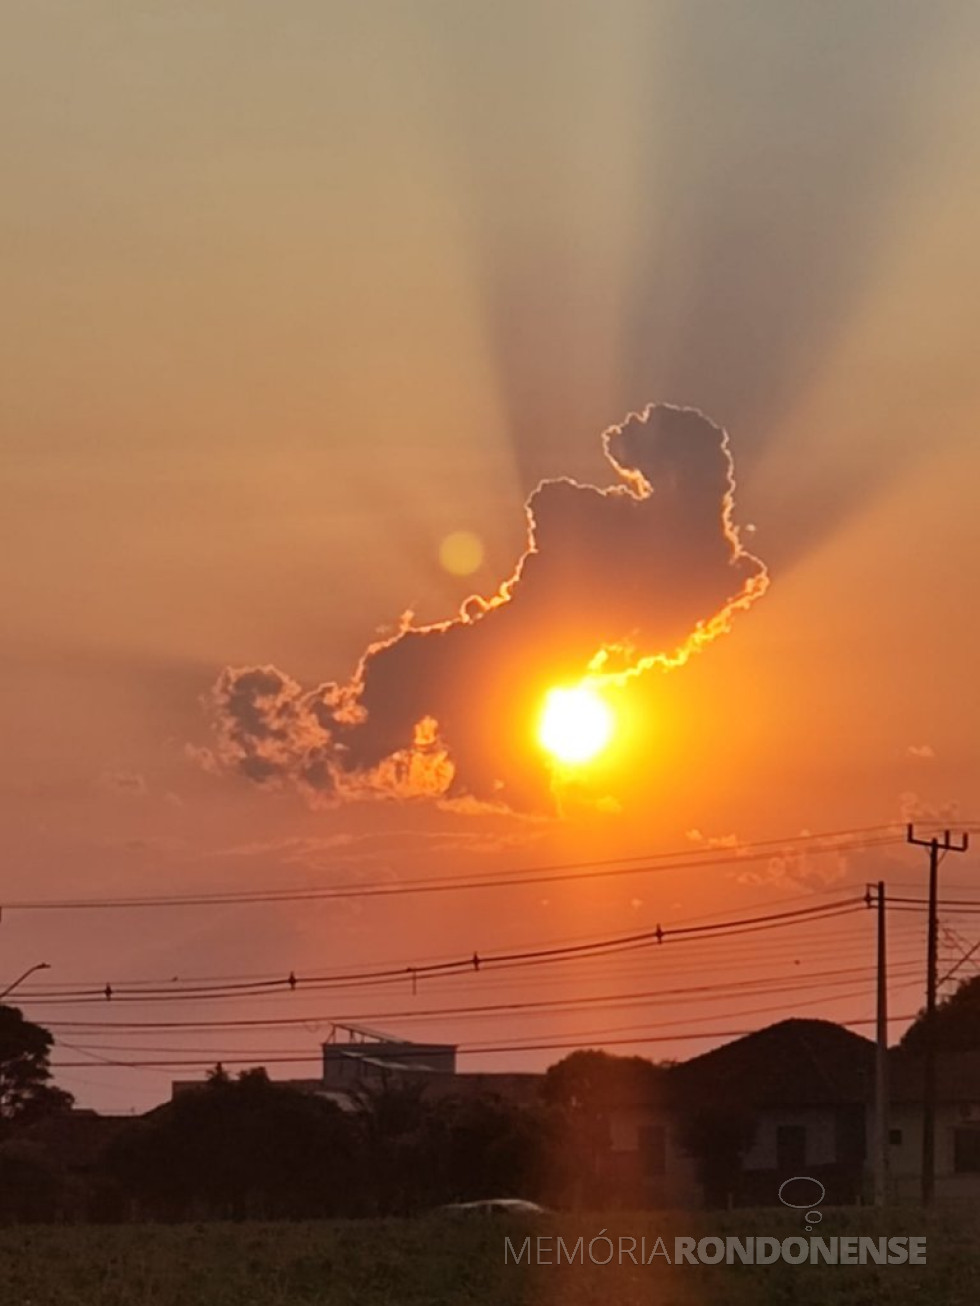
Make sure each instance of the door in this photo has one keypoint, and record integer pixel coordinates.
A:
(790, 1149)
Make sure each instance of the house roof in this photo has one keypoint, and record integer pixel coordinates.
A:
(794, 1062)
(362, 1039)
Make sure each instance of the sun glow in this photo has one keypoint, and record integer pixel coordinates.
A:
(576, 724)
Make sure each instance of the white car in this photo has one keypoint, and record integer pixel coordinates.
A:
(495, 1206)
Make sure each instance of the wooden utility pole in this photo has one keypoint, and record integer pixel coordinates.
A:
(881, 1063)
(935, 846)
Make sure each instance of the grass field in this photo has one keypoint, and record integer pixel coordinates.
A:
(438, 1261)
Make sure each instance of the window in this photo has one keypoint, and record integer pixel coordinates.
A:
(651, 1144)
(790, 1148)
(966, 1149)
(895, 1137)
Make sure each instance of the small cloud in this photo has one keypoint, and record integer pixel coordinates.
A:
(467, 805)
(157, 845)
(821, 863)
(123, 782)
(293, 847)
(715, 840)
(924, 752)
(203, 758)
(914, 808)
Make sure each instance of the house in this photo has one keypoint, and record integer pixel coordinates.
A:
(644, 1162)
(359, 1060)
(800, 1091)
(356, 1057)
(791, 1099)
(807, 1085)
(957, 1131)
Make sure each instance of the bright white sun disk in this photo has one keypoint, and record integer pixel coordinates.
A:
(576, 724)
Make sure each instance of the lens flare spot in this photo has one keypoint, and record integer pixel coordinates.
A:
(461, 553)
(576, 724)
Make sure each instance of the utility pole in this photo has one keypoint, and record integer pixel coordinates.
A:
(41, 965)
(881, 1063)
(935, 846)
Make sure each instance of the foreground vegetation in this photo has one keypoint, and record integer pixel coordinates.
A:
(446, 1261)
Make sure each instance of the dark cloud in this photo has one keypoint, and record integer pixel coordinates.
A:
(614, 580)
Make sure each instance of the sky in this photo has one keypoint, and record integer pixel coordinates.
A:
(316, 316)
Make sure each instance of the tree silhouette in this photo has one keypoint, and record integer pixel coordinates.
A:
(397, 1123)
(591, 1081)
(586, 1088)
(26, 1091)
(957, 1022)
(236, 1149)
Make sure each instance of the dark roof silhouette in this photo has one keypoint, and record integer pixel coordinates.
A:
(794, 1062)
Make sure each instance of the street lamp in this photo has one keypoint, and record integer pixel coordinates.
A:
(41, 965)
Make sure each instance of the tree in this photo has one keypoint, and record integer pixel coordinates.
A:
(957, 1022)
(26, 1091)
(239, 1148)
(591, 1081)
(398, 1124)
(486, 1146)
(586, 1088)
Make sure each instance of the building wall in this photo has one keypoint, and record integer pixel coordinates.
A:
(905, 1156)
(829, 1153)
(647, 1161)
(348, 1064)
(820, 1124)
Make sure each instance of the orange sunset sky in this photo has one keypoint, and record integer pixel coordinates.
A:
(295, 292)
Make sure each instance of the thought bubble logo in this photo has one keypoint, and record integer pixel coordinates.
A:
(812, 1215)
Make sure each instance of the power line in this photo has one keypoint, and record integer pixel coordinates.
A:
(467, 1049)
(963, 906)
(603, 968)
(734, 948)
(545, 1006)
(46, 988)
(222, 1053)
(853, 840)
(582, 973)
(504, 984)
(475, 961)
(936, 846)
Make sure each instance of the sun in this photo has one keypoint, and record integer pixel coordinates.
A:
(576, 724)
